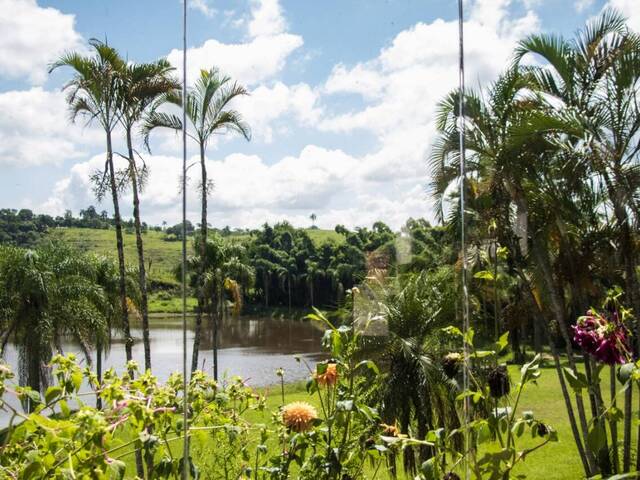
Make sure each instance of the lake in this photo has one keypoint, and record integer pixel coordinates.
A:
(250, 347)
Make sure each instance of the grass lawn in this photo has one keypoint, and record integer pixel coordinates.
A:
(556, 461)
(169, 302)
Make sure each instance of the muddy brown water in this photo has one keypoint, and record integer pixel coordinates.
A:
(253, 348)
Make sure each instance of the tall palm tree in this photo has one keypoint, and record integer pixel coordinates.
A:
(140, 86)
(313, 273)
(515, 170)
(92, 93)
(209, 113)
(593, 81)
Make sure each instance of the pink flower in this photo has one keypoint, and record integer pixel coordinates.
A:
(606, 339)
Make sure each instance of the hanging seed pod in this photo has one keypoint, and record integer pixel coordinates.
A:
(499, 383)
(542, 430)
(451, 364)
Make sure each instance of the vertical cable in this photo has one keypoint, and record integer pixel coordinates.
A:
(465, 291)
(185, 398)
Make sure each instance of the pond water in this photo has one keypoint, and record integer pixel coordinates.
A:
(250, 347)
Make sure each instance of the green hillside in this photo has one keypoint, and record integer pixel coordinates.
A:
(161, 256)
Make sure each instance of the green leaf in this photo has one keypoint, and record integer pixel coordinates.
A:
(117, 468)
(484, 275)
(52, 393)
(484, 353)
(451, 330)
(429, 469)
(518, 428)
(596, 438)
(64, 408)
(577, 380)
(76, 377)
(370, 364)
(502, 342)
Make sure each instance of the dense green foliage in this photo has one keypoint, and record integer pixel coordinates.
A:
(292, 270)
(53, 293)
(552, 200)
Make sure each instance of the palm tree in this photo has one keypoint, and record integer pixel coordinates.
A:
(513, 171)
(596, 78)
(414, 391)
(593, 81)
(312, 274)
(313, 217)
(209, 112)
(140, 86)
(93, 94)
(46, 295)
(227, 270)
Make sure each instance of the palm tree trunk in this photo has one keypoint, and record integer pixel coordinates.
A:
(216, 318)
(203, 253)
(142, 273)
(496, 300)
(266, 288)
(289, 291)
(563, 385)
(627, 252)
(557, 308)
(99, 371)
(32, 360)
(128, 340)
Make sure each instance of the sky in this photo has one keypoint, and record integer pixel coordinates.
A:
(343, 95)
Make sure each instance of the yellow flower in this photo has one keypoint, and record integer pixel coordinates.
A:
(298, 416)
(329, 377)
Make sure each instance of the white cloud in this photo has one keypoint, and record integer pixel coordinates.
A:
(258, 59)
(32, 37)
(35, 129)
(249, 63)
(582, 5)
(246, 189)
(403, 84)
(266, 18)
(266, 105)
(629, 8)
(203, 7)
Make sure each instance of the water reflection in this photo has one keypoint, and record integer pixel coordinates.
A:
(250, 347)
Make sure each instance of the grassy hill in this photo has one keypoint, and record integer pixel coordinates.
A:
(161, 256)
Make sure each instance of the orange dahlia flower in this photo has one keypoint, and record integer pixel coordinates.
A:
(329, 377)
(299, 416)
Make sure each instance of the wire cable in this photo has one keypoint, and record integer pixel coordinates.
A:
(185, 398)
(463, 246)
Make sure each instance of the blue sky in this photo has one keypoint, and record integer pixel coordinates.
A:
(343, 95)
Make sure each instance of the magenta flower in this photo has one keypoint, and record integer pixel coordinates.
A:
(606, 339)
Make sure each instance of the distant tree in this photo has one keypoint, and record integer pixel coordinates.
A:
(313, 218)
